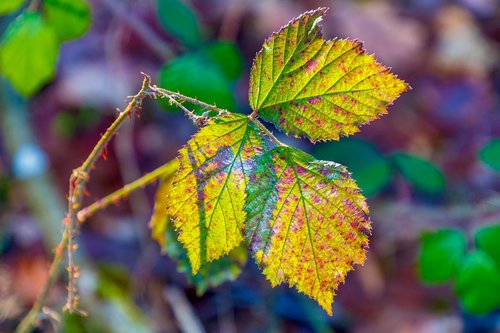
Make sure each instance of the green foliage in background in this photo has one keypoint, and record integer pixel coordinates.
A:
(207, 74)
(476, 274)
(441, 255)
(180, 20)
(373, 171)
(29, 48)
(369, 167)
(422, 174)
(490, 154)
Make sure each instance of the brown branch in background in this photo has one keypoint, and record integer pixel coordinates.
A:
(232, 19)
(148, 35)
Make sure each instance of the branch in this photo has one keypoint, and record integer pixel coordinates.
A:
(113, 198)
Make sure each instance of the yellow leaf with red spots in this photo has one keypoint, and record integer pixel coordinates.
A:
(208, 190)
(316, 88)
(307, 223)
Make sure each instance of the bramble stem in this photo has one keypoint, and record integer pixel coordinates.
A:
(116, 196)
(77, 183)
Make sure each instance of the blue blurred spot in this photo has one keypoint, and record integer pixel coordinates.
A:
(29, 161)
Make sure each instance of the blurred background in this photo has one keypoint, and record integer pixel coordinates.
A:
(430, 168)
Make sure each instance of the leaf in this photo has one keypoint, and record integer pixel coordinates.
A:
(421, 173)
(317, 88)
(490, 154)
(28, 53)
(208, 192)
(178, 18)
(307, 222)
(488, 240)
(9, 6)
(478, 284)
(70, 19)
(197, 76)
(441, 255)
(227, 56)
(369, 167)
(211, 274)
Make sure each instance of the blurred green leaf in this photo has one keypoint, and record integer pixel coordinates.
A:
(441, 255)
(478, 284)
(369, 167)
(64, 124)
(490, 154)
(28, 53)
(9, 6)
(178, 18)
(488, 240)
(197, 76)
(227, 56)
(422, 174)
(211, 274)
(70, 19)
(75, 323)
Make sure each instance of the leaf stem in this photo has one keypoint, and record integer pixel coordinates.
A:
(163, 171)
(268, 132)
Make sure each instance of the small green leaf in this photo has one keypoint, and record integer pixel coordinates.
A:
(441, 255)
(197, 76)
(307, 222)
(227, 56)
(488, 240)
(490, 154)
(70, 19)
(9, 6)
(178, 18)
(28, 53)
(478, 284)
(421, 173)
(208, 190)
(369, 167)
(318, 88)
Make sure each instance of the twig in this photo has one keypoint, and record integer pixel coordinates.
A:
(115, 197)
(160, 92)
(29, 320)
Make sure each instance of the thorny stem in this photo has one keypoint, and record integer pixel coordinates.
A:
(115, 197)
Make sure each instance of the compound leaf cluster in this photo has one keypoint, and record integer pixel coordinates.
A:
(304, 220)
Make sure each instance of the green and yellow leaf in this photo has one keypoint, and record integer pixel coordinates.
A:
(307, 222)
(208, 191)
(317, 88)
